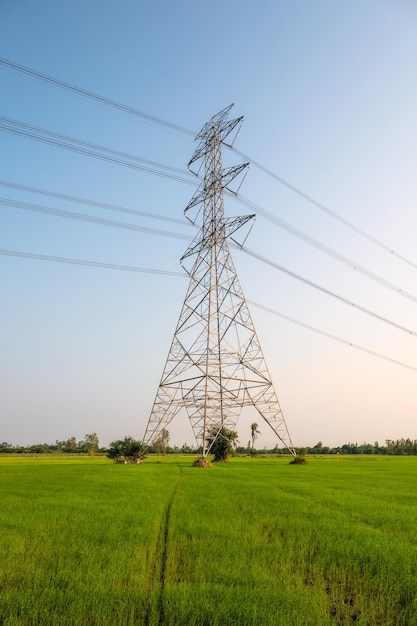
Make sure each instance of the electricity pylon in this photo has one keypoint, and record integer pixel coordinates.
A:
(215, 366)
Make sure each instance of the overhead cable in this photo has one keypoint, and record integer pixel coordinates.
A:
(129, 268)
(154, 231)
(268, 215)
(326, 210)
(26, 206)
(81, 147)
(94, 203)
(330, 336)
(49, 79)
(326, 291)
(244, 201)
(88, 144)
(324, 248)
(93, 96)
(70, 261)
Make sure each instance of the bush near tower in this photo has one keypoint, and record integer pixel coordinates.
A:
(220, 442)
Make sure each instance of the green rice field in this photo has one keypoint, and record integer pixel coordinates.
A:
(255, 541)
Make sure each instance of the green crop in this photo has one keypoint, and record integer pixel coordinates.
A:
(256, 541)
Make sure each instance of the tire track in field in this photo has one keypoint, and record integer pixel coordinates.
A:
(155, 610)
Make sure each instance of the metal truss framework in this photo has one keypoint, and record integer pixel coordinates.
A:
(215, 366)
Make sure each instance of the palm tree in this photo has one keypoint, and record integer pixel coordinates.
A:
(254, 433)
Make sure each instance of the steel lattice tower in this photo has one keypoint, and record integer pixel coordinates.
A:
(215, 365)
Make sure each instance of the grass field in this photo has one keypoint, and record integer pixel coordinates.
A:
(255, 541)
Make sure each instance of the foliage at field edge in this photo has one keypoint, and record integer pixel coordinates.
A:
(90, 445)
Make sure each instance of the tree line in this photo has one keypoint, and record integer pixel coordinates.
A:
(161, 446)
(398, 447)
(88, 445)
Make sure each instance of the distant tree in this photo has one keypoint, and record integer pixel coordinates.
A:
(254, 432)
(69, 445)
(72, 444)
(39, 448)
(220, 442)
(187, 449)
(161, 443)
(90, 443)
(126, 450)
(319, 449)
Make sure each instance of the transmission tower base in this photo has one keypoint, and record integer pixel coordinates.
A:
(202, 462)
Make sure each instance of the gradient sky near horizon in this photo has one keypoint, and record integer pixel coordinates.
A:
(328, 92)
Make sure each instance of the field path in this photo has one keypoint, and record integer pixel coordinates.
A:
(155, 606)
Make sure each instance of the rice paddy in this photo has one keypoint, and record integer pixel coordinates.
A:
(252, 542)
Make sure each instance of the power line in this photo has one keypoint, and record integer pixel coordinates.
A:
(129, 268)
(70, 261)
(328, 292)
(326, 210)
(278, 221)
(49, 79)
(77, 199)
(73, 88)
(324, 248)
(26, 206)
(93, 96)
(163, 233)
(330, 336)
(88, 144)
(75, 145)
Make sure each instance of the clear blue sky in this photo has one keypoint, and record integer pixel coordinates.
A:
(329, 95)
